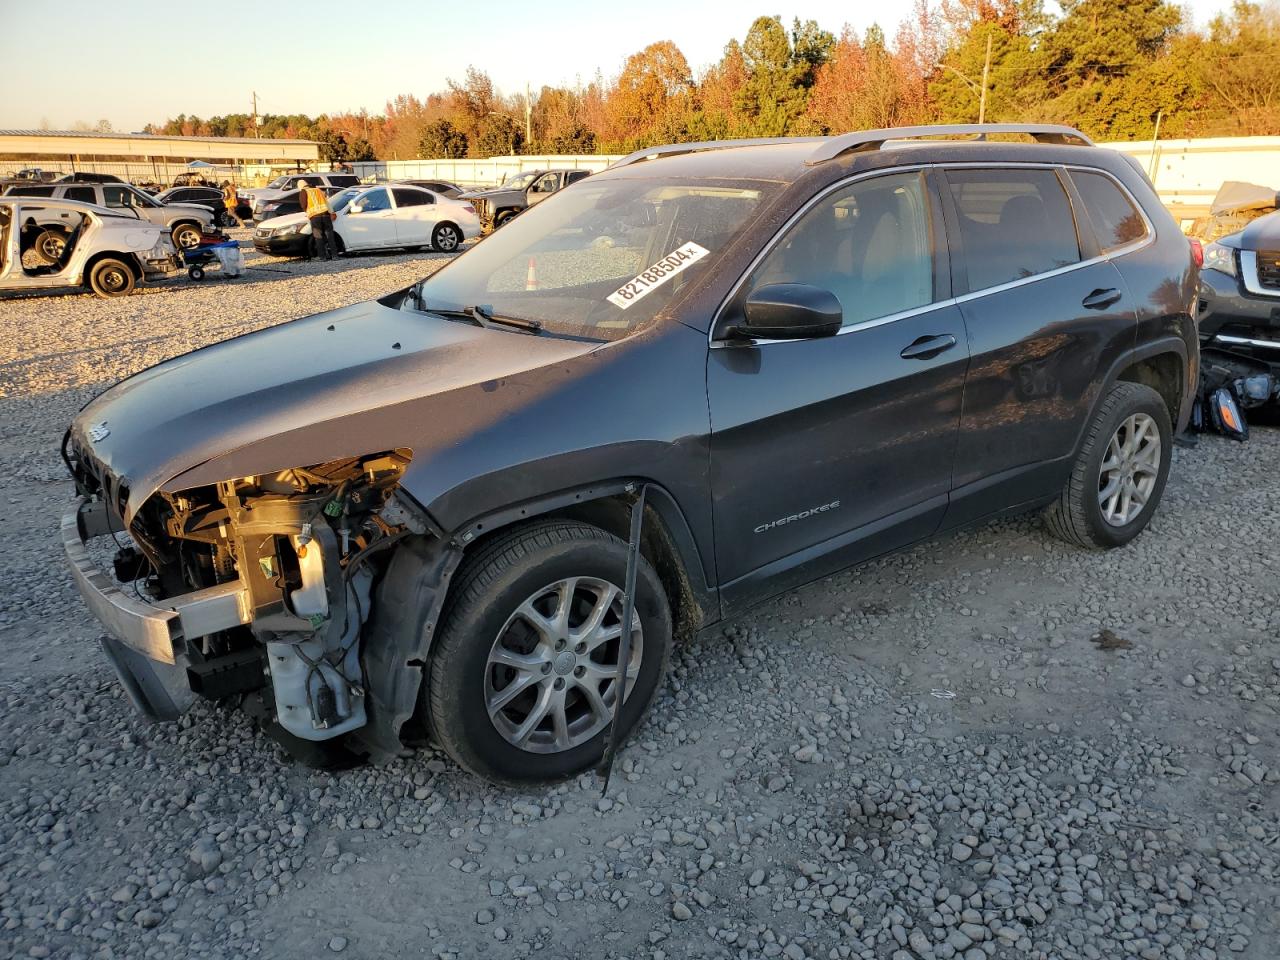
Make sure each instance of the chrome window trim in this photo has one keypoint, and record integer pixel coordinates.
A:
(1249, 275)
(1131, 247)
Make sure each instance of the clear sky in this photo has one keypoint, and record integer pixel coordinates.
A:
(135, 61)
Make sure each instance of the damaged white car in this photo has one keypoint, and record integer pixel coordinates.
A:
(102, 250)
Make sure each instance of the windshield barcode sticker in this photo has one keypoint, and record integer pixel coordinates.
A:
(657, 275)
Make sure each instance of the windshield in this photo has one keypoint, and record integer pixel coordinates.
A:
(277, 183)
(601, 259)
(520, 181)
(338, 202)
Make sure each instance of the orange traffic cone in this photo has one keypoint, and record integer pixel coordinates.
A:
(531, 278)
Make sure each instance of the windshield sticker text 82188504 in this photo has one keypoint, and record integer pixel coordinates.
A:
(656, 275)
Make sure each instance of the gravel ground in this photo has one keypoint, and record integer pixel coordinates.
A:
(990, 746)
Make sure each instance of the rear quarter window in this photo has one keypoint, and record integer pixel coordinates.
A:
(30, 191)
(1014, 224)
(1116, 221)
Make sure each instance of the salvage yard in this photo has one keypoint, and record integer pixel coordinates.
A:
(994, 745)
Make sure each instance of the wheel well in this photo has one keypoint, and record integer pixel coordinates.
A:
(1162, 373)
(613, 515)
(185, 223)
(445, 223)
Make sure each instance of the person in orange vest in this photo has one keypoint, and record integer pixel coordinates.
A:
(315, 204)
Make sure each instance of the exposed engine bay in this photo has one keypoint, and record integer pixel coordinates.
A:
(299, 551)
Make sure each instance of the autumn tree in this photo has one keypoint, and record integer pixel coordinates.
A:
(654, 85)
(1239, 64)
(496, 135)
(442, 140)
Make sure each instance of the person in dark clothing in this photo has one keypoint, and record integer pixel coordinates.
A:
(315, 205)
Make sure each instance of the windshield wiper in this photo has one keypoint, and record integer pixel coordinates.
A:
(478, 315)
(486, 317)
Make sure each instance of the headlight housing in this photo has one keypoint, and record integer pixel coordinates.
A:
(1221, 258)
(289, 230)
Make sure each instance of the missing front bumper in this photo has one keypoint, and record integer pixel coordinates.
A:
(147, 640)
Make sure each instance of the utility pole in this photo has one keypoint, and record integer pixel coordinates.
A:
(986, 68)
(528, 118)
(1151, 161)
(255, 113)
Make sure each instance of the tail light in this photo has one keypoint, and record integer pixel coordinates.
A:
(1197, 251)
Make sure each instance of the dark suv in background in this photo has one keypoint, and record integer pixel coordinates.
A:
(726, 369)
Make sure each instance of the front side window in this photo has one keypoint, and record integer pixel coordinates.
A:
(374, 201)
(1116, 221)
(602, 259)
(1014, 224)
(410, 198)
(547, 184)
(868, 243)
(116, 197)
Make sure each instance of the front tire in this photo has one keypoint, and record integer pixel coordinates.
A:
(523, 675)
(111, 278)
(1119, 473)
(186, 236)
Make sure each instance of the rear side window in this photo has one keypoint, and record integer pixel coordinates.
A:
(83, 194)
(344, 180)
(1013, 224)
(410, 198)
(1116, 221)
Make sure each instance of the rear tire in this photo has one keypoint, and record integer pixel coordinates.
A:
(1113, 490)
(543, 568)
(111, 278)
(446, 237)
(506, 216)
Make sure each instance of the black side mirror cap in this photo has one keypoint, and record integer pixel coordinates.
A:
(790, 311)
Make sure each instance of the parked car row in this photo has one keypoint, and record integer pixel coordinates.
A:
(380, 217)
(184, 221)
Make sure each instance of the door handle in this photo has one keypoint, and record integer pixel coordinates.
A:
(1101, 299)
(925, 348)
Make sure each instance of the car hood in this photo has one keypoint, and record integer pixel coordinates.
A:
(491, 192)
(297, 394)
(1261, 234)
(288, 220)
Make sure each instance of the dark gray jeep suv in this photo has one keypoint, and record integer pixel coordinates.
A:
(712, 372)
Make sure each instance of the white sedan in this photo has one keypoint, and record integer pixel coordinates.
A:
(387, 216)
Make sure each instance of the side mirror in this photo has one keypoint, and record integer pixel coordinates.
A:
(355, 208)
(790, 311)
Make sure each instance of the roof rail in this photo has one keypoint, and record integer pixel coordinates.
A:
(676, 149)
(861, 140)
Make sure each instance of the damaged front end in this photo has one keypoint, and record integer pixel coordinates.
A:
(257, 589)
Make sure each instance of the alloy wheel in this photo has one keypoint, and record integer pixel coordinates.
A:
(1129, 470)
(551, 677)
(446, 239)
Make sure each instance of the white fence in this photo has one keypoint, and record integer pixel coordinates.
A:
(475, 173)
(1187, 173)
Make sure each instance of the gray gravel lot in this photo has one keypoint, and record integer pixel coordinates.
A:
(939, 755)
